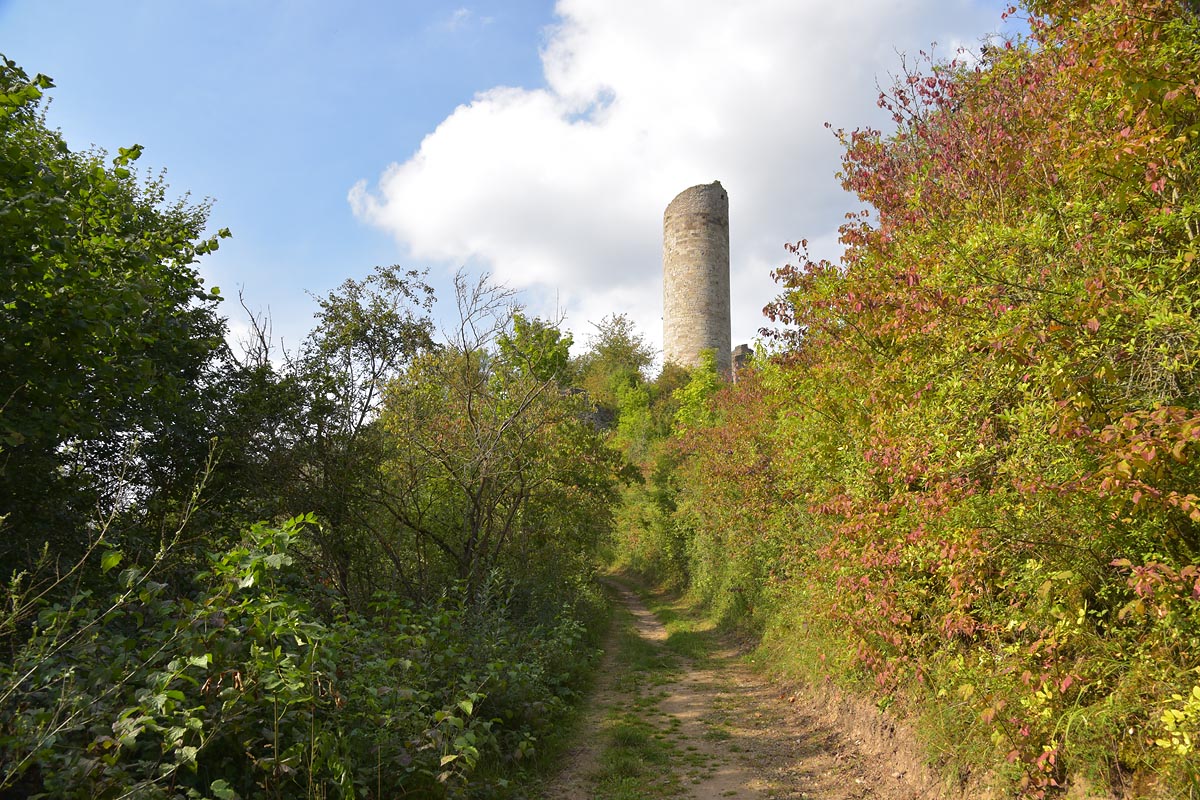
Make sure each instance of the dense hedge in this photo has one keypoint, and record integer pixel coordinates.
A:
(414, 634)
(238, 690)
(967, 482)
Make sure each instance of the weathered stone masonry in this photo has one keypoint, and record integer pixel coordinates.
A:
(696, 276)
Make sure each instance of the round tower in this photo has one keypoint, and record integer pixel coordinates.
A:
(696, 276)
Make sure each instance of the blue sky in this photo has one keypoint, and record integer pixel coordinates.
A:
(535, 141)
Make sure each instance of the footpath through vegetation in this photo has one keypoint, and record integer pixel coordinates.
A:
(960, 481)
(680, 712)
(964, 484)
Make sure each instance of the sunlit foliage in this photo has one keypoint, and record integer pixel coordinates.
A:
(968, 482)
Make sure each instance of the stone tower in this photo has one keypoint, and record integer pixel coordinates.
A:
(696, 276)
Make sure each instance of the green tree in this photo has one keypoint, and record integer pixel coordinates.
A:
(634, 422)
(617, 356)
(695, 408)
(368, 333)
(538, 350)
(491, 463)
(107, 334)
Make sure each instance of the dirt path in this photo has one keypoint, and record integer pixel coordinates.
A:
(678, 714)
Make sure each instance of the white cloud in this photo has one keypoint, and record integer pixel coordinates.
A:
(560, 190)
(458, 18)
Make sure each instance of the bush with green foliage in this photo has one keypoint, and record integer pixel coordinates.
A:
(967, 485)
(107, 334)
(393, 641)
(239, 690)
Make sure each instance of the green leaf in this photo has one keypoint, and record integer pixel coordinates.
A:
(222, 790)
(110, 559)
(277, 560)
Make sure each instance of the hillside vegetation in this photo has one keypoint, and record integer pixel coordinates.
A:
(359, 569)
(965, 480)
(959, 478)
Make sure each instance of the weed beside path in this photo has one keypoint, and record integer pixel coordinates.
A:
(677, 713)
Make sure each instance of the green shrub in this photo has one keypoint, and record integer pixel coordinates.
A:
(239, 690)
